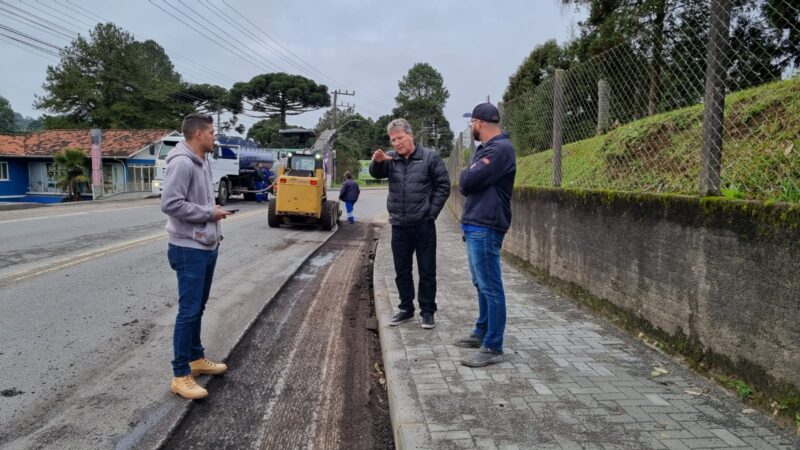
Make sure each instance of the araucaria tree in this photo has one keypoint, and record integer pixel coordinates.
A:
(281, 94)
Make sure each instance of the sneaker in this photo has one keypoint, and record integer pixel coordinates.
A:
(203, 366)
(401, 317)
(186, 387)
(483, 357)
(427, 321)
(471, 341)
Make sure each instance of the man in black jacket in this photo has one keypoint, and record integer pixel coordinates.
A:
(418, 188)
(487, 185)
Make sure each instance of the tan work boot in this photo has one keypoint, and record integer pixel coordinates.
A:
(203, 366)
(186, 387)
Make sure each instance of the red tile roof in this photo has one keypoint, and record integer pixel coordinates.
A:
(115, 143)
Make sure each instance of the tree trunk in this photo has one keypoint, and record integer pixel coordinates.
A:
(657, 62)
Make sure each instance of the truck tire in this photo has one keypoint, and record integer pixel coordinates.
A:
(223, 193)
(272, 218)
(328, 219)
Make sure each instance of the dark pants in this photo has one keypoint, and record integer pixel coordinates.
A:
(195, 270)
(405, 242)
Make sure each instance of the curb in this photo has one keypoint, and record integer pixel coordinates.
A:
(408, 421)
(157, 434)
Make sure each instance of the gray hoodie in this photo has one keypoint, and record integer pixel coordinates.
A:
(187, 199)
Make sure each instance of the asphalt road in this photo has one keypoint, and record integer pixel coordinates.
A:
(87, 302)
(304, 376)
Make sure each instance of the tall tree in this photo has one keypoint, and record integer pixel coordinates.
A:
(266, 133)
(421, 100)
(281, 94)
(6, 116)
(357, 129)
(537, 67)
(784, 17)
(213, 99)
(110, 80)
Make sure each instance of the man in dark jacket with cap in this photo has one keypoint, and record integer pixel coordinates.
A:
(487, 185)
(418, 189)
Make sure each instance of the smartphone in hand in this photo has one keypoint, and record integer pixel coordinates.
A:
(233, 211)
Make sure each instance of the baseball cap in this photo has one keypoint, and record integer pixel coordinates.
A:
(486, 112)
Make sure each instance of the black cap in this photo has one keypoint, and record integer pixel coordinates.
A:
(486, 112)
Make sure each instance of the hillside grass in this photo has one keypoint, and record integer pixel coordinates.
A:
(761, 152)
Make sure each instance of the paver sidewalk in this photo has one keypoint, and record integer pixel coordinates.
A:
(573, 381)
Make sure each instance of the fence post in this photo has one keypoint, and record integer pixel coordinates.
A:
(714, 102)
(558, 124)
(603, 103)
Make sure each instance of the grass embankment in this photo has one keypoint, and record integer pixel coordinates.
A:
(761, 153)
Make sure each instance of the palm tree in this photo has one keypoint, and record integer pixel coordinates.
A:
(71, 172)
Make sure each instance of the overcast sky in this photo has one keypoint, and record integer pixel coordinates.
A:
(364, 46)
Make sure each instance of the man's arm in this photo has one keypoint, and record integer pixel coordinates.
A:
(379, 167)
(492, 165)
(441, 187)
(173, 195)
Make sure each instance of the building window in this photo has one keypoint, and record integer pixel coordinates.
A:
(140, 177)
(4, 171)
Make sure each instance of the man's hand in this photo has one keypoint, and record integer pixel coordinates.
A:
(380, 156)
(220, 213)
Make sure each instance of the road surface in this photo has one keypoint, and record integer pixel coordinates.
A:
(87, 302)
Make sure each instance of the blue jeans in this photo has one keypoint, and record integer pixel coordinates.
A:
(483, 249)
(195, 269)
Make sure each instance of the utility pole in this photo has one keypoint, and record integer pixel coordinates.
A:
(336, 95)
(219, 125)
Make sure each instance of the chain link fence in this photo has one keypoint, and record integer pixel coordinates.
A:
(712, 108)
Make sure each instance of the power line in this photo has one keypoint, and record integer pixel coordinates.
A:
(32, 23)
(271, 49)
(28, 44)
(83, 12)
(314, 69)
(231, 48)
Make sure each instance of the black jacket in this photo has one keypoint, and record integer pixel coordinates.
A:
(488, 184)
(349, 191)
(418, 186)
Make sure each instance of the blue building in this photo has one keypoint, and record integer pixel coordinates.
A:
(27, 171)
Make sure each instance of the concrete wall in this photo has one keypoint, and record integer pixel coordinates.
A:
(721, 278)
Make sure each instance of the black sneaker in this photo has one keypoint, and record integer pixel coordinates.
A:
(401, 317)
(427, 321)
(471, 341)
(483, 357)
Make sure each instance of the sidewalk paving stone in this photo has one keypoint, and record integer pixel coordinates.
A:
(573, 381)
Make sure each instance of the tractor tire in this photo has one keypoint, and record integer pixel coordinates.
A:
(328, 219)
(223, 194)
(272, 218)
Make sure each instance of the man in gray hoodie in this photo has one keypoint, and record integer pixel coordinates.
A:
(194, 236)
